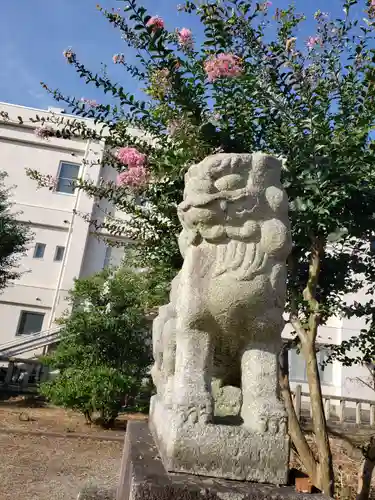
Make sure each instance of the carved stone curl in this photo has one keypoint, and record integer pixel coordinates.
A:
(221, 333)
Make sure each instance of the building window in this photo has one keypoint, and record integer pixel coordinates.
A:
(59, 253)
(39, 250)
(372, 244)
(297, 367)
(68, 173)
(30, 322)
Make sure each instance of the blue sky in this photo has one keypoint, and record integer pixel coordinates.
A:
(34, 33)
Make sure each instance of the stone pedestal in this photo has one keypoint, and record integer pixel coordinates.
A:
(143, 477)
(223, 451)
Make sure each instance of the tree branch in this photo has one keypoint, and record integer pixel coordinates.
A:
(294, 427)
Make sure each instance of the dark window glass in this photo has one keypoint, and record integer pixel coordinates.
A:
(30, 322)
(39, 250)
(59, 253)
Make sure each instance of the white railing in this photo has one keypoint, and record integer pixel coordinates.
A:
(29, 342)
(342, 407)
(21, 375)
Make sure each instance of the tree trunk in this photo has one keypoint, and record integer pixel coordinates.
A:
(303, 449)
(87, 417)
(365, 471)
(364, 479)
(325, 467)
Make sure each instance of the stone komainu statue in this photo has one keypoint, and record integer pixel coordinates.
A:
(222, 328)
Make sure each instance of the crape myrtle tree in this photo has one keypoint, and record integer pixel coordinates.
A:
(247, 81)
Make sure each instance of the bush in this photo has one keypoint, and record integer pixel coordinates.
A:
(104, 353)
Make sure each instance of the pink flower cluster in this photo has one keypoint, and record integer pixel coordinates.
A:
(312, 41)
(118, 58)
(134, 177)
(69, 55)
(223, 65)
(90, 102)
(44, 132)
(185, 38)
(131, 157)
(155, 23)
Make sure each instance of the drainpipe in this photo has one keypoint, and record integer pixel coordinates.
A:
(68, 243)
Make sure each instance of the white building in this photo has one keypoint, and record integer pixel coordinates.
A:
(64, 246)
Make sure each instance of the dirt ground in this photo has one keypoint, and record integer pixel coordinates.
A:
(38, 466)
(43, 467)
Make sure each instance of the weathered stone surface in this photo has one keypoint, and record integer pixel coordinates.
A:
(97, 493)
(143, 477)
(227, 399)
(222, 328)
(223, 451)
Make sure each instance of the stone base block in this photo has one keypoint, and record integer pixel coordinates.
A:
(224, 451)
(143, 477)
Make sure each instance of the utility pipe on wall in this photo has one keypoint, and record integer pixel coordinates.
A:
(68, 242)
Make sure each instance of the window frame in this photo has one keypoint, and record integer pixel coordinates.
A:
(23, 314)
(56, 252)
(40, 244)
(58, 178)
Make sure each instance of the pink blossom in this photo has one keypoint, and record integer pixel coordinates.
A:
(264, 6)
(156, 23)
(69, 55)
(131, 157)
(312, 41)
(44, 132)
(373, 3)
(185, 38)
(223, 65)
(90, 102)
(134, 177)
(118, 58)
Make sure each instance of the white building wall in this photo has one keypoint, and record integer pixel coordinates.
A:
(44, 284)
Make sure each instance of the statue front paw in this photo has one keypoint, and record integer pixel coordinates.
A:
(194, 413)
